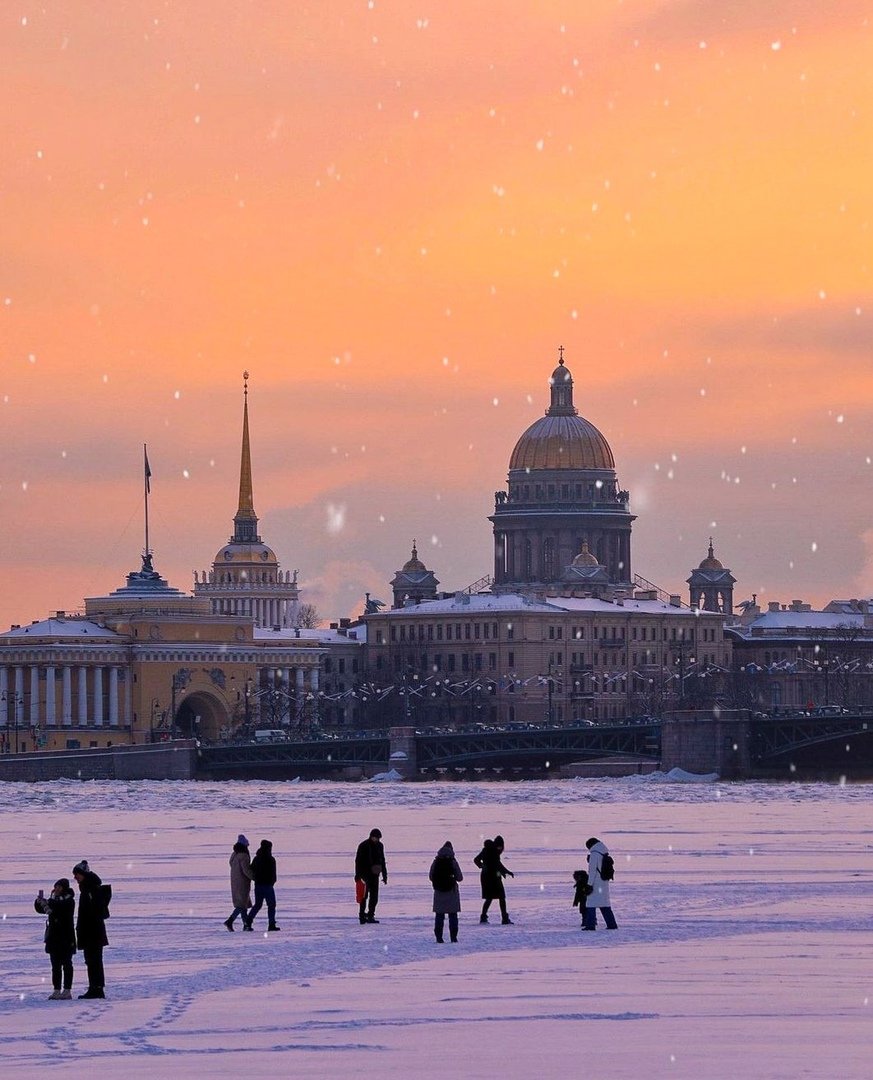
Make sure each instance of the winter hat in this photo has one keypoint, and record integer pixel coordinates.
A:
(375, 834)
(63, 884)
(268, 844)
(242, 840)
(82, 867)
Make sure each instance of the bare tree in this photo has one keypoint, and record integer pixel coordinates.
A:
(308, 617)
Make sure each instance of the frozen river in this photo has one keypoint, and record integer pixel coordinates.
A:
(745, 941)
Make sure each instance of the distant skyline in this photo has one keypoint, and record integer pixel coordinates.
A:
(393, 218)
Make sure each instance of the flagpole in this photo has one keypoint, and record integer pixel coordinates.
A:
(145, 470)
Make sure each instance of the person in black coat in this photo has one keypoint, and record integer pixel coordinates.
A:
(60, 935)
(492, 873)
(91, 936)
(370, 866)
(264, 879)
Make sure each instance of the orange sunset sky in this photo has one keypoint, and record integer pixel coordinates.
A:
(392, 214)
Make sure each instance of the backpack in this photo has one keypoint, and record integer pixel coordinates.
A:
(102, 897)
(443, 874)
(607, 868)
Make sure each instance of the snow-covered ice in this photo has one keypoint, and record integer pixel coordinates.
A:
(745, 941)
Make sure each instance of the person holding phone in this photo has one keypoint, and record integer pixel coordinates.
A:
(60, 935)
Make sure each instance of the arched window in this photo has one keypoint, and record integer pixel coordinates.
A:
(548, 559)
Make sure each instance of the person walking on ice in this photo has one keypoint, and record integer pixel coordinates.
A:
(492, 873)
(370, 866)
(240, 882)
(600, 873)
(264, 877)
(444, 876)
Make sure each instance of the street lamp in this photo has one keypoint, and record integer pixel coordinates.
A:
(17, 701)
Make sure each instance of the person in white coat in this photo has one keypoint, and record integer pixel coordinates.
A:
(599, 895)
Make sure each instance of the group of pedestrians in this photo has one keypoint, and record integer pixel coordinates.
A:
(65, 932)
(445, 875)
(68, 931)
(245, 872)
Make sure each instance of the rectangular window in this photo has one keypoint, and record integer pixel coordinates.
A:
(560, 631)
(430, 633)
(492, 661)
(511, 660)
(449, 632)
(551, 633)
(466, 631)
(458, 631)
(465, 662)
(379, 640)
(451, 662)
(393, 633)
(476, 631)
(478, 661)
(342, 666)
(439, 632)
(510, 631)
(486, 630)
(378, 663)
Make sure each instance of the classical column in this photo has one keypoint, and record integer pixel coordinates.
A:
(50, 712)
(4, 696)
(313, 680)
(19, 696)
(113, 696)
(98, 696)
(66, 696)
(128, 699)
(286, 696)
(83, 697)
(34, 696)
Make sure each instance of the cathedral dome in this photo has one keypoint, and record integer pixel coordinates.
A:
(241, 554)
(711, 562)
(585, 558)
(562, 442)
(561, 439)
(414, 565)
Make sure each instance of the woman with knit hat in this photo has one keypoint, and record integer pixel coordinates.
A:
(240, 882)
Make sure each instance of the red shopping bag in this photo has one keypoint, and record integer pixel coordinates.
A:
(360, 890)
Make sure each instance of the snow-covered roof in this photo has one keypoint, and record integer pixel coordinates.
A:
(467, 603)
(796, 621)
(62, 628)
(641, 607)
(288, 635)
(483, 603)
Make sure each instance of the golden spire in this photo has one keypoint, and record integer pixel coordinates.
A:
(245, 522)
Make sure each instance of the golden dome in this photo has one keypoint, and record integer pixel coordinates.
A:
(243, 554)
(711, 562)
(562, 442)
(585, 558)
(414, 565)
(562, 439)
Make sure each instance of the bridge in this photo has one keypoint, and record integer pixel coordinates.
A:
(536, 749)
(733, 745)
(776, 738)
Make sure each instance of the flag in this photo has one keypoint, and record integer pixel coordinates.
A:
(148, 471)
